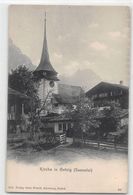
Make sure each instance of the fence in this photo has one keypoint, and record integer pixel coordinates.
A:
(101, 144)
(61, 138)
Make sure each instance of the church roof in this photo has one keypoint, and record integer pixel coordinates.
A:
(45, 64)
(61, 99)
(70, 90)
(68, 94)
(52, 77)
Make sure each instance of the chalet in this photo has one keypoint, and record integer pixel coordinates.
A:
(58, 123)
(107, 92)
(102, 95)
(16, 101)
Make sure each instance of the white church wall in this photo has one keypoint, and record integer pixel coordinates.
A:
(45, 88)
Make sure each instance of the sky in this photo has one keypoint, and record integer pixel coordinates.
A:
(79, 38)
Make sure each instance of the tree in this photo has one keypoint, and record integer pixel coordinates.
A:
(83, 117)
(109, 120)
(23, 80)
(94, 123)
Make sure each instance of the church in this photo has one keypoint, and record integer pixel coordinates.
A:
(55, 97)
(47, 77)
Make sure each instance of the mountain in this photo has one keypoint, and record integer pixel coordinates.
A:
(16, 57)
(85, 78)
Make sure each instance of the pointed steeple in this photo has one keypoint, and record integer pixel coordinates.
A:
(45, 67)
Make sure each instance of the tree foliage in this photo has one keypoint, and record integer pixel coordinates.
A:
(84, 118)
(22, 80)
(92, 122)
(109, 120)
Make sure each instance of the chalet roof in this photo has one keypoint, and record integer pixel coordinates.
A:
(13, 92)
(105, 87)
(45, 64)
(60, 118)
(54, 117)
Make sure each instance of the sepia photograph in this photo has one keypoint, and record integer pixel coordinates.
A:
(68, 99)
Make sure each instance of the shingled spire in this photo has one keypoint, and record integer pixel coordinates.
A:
(45, 68)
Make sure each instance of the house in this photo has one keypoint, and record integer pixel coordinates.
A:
(58, 123)
(16, 101)
(108, 92)
(102, 95)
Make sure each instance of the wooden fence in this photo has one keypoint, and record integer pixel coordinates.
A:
(61, 138)
(101, 144)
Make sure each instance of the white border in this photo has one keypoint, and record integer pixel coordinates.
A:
(3, 75)
(68, 2)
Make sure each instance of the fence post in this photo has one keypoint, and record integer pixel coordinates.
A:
(98, 140)
(62, 138)
(115, 141)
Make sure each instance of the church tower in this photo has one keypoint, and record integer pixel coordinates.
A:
(47, 76)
